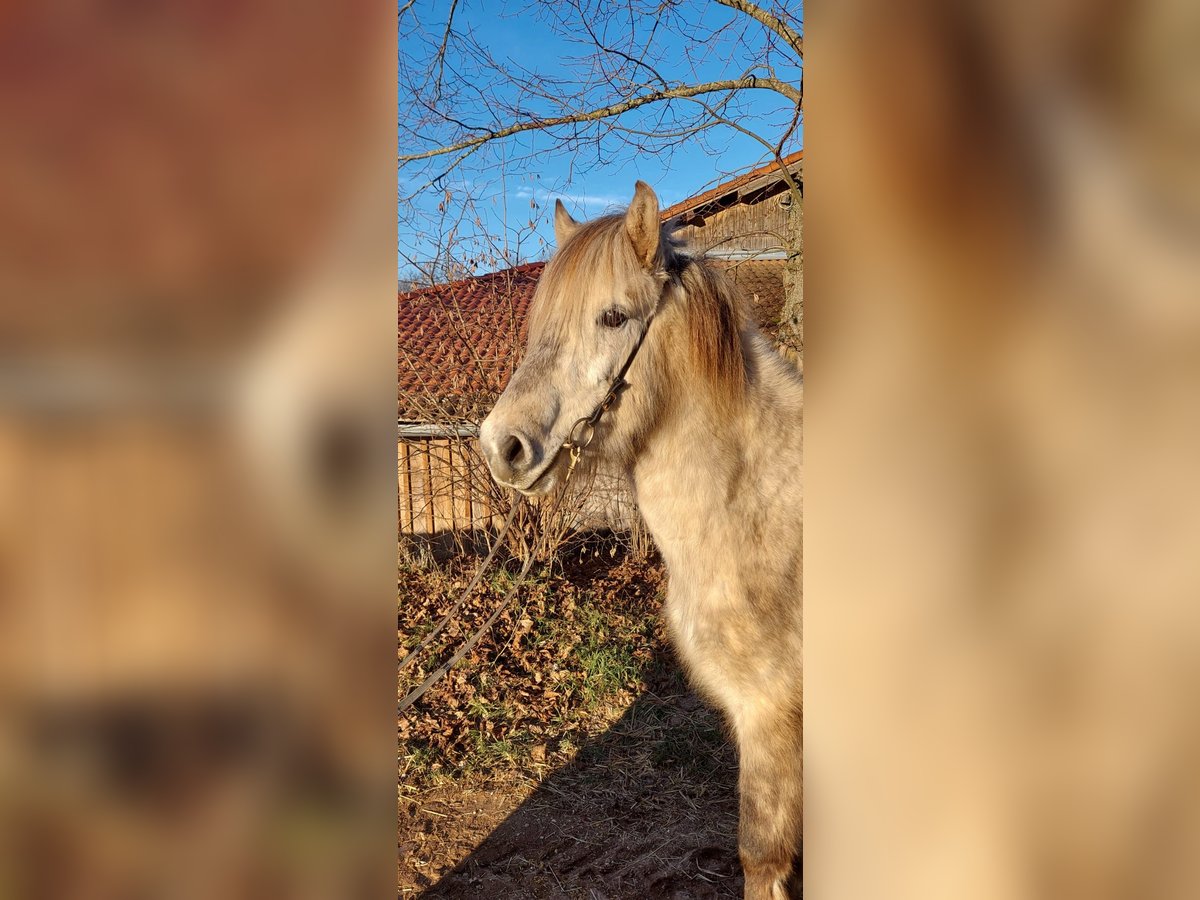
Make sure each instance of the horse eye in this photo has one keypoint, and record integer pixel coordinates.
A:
(613, 318)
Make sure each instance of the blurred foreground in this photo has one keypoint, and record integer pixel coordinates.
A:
(197, 376)
(1003, 497)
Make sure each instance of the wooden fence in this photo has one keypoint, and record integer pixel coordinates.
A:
(444, 486)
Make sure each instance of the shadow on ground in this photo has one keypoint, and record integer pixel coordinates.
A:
(646, 810)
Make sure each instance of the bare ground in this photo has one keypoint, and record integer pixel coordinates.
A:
(646, 811)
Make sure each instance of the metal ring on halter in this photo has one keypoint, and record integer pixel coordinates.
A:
(573, 441)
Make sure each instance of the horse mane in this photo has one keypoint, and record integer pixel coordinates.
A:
(715, 318)
(712, 308)
(714, 315)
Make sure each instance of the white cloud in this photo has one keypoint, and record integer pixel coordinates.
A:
(592, 201)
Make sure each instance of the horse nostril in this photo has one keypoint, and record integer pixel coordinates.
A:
(513, 450)
(510, 452)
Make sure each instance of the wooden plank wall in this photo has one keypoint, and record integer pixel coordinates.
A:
(758, 227)
(443, 485)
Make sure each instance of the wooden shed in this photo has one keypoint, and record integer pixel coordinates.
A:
(747, 217)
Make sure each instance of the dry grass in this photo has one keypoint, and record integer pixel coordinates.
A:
(577, 645)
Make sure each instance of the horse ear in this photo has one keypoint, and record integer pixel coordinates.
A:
(564, 225)
(643, 225)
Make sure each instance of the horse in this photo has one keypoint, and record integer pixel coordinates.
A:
(642, 357)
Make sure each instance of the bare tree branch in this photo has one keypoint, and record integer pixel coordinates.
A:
(749, 82)
(769, 20)
(441, 54)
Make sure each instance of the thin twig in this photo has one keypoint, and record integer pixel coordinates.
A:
(773, 22)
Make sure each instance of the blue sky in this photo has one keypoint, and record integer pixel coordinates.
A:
(504, 179)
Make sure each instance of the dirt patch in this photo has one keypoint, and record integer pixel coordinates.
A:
(648, 810)
(440, 826)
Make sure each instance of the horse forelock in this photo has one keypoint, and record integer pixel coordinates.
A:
(599, 251)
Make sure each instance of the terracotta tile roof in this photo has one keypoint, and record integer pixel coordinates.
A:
(459, 342)
(730, 186)
(761, 283)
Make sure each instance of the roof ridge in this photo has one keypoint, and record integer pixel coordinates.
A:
(726, 186)
(443, 286)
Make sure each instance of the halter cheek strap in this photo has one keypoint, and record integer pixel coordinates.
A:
(584, 429)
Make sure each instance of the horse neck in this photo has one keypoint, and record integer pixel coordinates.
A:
(692, 461)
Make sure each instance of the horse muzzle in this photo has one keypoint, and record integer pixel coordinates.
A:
(516, 459)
